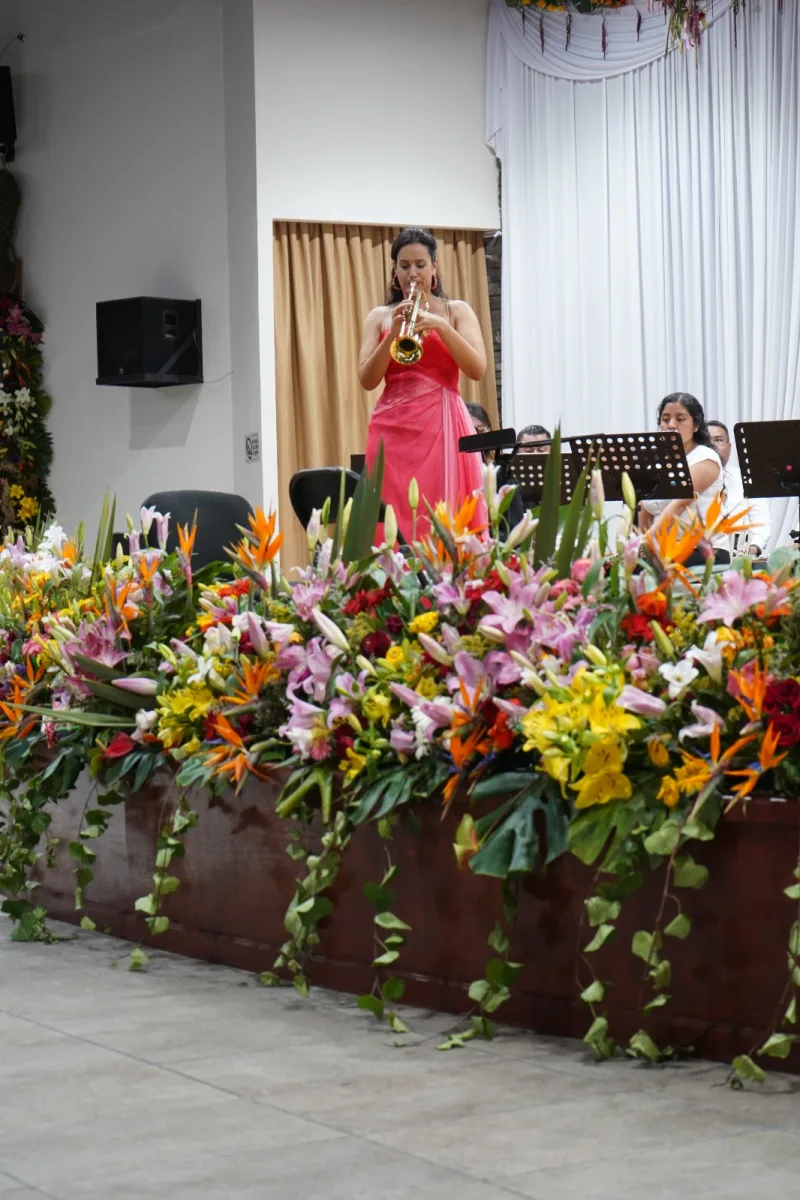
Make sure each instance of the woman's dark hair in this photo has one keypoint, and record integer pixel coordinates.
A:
(479, 413)
(695, 411)
(413, 236)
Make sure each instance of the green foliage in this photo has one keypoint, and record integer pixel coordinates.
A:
(26, 454)
(509, 841)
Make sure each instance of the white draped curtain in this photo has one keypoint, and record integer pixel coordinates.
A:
(651, 230)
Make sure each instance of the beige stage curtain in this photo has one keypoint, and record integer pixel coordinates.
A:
(327, 278)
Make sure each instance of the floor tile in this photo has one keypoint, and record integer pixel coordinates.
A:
(763, 1165)
(498, 1145)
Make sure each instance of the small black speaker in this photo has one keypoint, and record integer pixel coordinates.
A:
(148, 342)
(8, 124)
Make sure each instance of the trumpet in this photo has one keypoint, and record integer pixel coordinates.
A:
(406, 349)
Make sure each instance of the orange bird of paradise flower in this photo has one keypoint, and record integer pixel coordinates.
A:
(19, 724)
(752, 690)
(767, 761)
(232, 758)
(253, 680)
(258, 547)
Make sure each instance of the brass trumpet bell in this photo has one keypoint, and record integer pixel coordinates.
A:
(406, 349)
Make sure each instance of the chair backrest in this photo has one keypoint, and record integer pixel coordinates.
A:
(310, 489)
(218, 514)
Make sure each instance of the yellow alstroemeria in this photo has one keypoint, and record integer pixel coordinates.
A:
(377, 707)
(424, 623)
(353, 765)
(603, 779)
(395, 656)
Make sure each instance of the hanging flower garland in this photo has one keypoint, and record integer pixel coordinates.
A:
(26, 449)
(686, 19)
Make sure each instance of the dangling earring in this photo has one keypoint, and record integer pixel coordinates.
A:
(434, 282)
(395, 282)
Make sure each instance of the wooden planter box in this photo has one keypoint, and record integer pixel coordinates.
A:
(237, 881)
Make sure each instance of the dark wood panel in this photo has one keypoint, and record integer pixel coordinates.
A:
(237, 880)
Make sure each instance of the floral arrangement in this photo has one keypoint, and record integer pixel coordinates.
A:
(686, 19)
(26, 450)
(603, 692)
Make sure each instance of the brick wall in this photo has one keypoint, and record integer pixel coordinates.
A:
(493, 244)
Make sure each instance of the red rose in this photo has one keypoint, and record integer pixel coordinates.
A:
(782, 706)
(343, 740)
(119, 746)
(375, 645)
(393, 625)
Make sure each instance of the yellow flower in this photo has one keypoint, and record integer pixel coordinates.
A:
(603, 778)
(376, 707)
(659, 755)
(693, 775)
(669, 791)
(424, 623)
(429, 688)
(27, 508)
(193, 701)
(608, 719)
(395, 656)
(353, 765)
(16, 492)
(557, 765)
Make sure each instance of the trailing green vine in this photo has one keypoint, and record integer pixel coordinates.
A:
(309, 905)
(389, 934)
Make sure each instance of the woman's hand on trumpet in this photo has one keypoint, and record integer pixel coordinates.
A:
(429, 320)
(399, 314)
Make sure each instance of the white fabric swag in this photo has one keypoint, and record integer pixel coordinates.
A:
(650, 225)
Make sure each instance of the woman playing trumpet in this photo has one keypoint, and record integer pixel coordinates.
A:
(420, 415)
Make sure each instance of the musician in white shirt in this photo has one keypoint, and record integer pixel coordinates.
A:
(757, 509)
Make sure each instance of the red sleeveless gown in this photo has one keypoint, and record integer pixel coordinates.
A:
(420, 417)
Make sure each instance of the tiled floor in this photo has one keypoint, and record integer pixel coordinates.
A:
(190, 1082)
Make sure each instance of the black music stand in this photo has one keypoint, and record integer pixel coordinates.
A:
(526, 469)
(655, 462)
(769, 457)
(529, 469)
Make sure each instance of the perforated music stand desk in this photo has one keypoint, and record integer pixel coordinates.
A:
(528, 471)
(524, 468)
(769, 457)
(655, 462)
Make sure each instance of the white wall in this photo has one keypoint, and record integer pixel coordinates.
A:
(158, 142)
(121, 157)
(367, 111)
(240, 153)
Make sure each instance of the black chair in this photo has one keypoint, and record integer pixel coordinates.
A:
(218, 514)
(309, 489)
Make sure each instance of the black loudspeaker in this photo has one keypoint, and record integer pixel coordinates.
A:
(8, 124)
(147, 342)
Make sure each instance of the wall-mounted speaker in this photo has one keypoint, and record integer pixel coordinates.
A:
(8, 124)
(148, 342)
